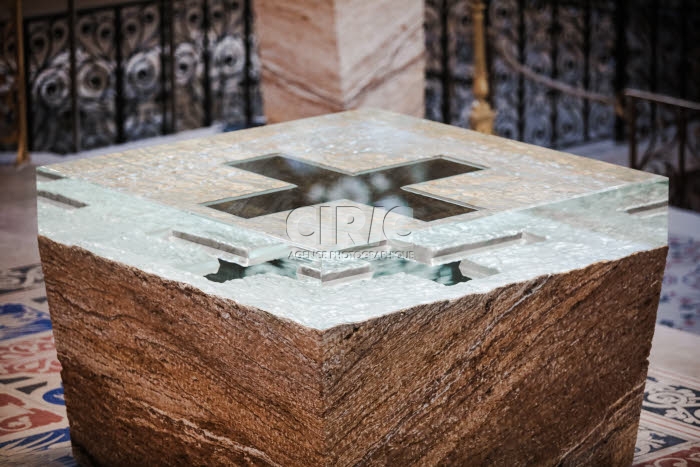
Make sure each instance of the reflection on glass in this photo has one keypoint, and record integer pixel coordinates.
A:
(315, 185)
(229, 271)
(445, 274)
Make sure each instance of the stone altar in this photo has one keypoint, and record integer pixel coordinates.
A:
(357, 288)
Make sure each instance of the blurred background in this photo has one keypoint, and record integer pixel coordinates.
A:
(105, 72)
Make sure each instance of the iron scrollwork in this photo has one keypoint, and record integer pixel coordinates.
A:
(128, 85)
(49, 84)
(96, 84)
(8, 97)
(141, 68)
(214, 71)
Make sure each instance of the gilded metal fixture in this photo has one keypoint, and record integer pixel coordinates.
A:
(482, 115)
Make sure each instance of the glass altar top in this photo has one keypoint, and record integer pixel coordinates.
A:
(349, 216)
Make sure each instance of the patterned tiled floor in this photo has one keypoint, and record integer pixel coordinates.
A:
(34, 427)
(669, 428)
(680, 297)
(33, 423)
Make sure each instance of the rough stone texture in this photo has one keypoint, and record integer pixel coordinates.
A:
(323, 56)
(156, 372)
(530, 374)
(191, 336)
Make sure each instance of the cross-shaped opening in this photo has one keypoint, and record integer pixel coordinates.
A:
(316, 185)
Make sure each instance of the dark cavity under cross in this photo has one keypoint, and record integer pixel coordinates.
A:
(316, 185)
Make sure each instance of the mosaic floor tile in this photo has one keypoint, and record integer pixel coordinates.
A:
(50, 449)
(36, 347)
(21, 415)
(17, 320)
(680, 295)
(687, 455)
(673, 401)
(21, 278)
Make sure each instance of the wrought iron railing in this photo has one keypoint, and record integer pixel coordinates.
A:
(151, 67)
(600, 46)
(139, 69)
(664, 137)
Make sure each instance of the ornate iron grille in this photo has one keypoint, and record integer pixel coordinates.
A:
(668, 144)
(8, 98)
(603, 46)
(137, 66)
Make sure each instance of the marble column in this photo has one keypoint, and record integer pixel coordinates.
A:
(323, 56)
